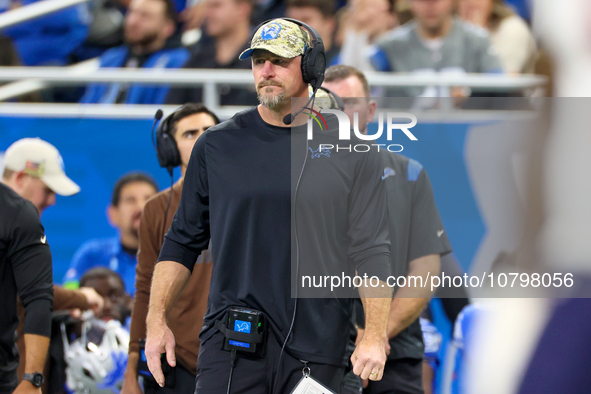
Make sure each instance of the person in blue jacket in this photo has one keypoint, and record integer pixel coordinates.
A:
(148, 26)
(49, 40)
(118, 253)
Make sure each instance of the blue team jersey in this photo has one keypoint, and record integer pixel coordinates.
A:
(463, 341)
(432, 338)
(104, 93)
(102, 253)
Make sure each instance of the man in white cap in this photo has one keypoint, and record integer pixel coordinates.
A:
(34, 169)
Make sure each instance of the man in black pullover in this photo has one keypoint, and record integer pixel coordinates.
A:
(25, 270)
(241, 188)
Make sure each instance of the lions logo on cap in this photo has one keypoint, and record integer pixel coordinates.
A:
(271, 31)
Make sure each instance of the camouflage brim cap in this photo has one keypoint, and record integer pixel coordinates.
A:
(280, 37)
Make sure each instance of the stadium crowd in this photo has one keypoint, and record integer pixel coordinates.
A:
(420, 36)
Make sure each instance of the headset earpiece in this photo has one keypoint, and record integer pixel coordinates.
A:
(166, 149)
(314, 57)
(314, 64)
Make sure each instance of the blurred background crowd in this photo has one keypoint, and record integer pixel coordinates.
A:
(419, 36)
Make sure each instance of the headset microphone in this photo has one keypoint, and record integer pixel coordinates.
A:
(336, 100)
(288, 119)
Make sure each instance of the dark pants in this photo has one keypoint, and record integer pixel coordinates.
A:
(403, 376)
(256, 375)
(184, 384)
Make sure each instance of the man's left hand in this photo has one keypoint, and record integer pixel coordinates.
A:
(369, 358)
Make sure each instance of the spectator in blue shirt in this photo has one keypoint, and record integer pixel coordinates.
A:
(147, 28)
(118, 253)
(50, 39)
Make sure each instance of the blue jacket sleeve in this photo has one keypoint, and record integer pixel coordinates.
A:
(92, 94)
(158, 94)
(83, 260)
(137, 94)
(379, 59)
(50, 40)
(113, 57)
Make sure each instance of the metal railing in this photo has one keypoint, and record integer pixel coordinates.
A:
(98, 111)
(29, 85)
(209, 79)
(134, 111)
(244, 77)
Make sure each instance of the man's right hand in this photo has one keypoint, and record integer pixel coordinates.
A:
(169, 280)
(94, 299)
(160, 339)
(130, 383)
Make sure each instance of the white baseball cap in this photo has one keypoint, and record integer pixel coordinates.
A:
(40, 159)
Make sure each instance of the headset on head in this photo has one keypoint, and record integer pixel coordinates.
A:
(167, 151)
(314, 57)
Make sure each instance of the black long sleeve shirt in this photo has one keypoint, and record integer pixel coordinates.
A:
(25, 269)
(240, 190)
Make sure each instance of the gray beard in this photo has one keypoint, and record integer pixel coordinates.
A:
(271, 102)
